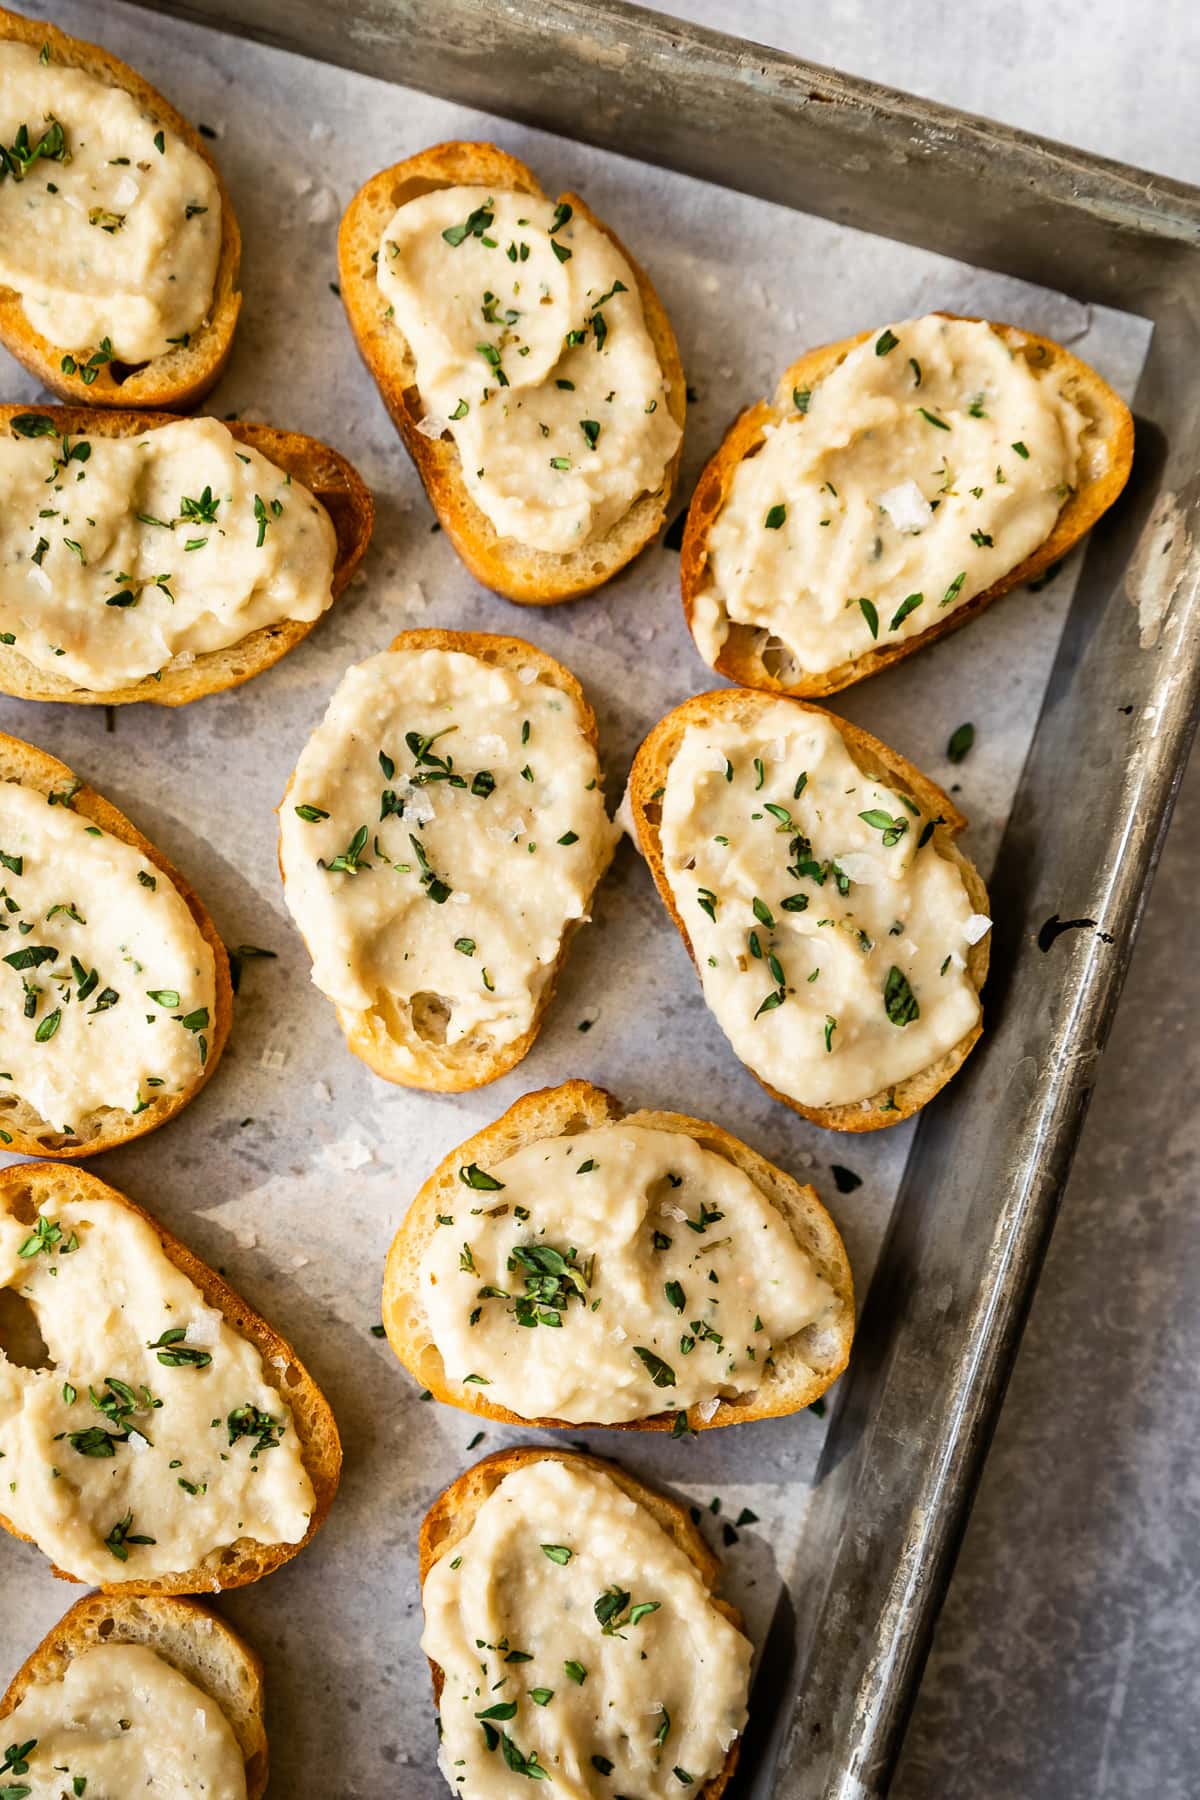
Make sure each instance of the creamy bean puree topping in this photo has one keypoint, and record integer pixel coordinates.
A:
(830, 933)
(444, 826)
(120, 557)
(580, 1647)
(152, 1437)
(121, 1722)
(107, 989)
(920, 471)
(110, 225)
(531, 348)
(664, 1274)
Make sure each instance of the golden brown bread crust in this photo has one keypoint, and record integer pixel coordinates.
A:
(329, 477)
(531, 577)
(189, 1637)
(574, 1106)
(459, 1068)
(740, 660)
(34, 768)
(180, 379)
(452, 1514)
(647, 778)
(24, 1189)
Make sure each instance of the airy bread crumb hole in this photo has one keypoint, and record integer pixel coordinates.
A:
(431, 1015)
(21, 1339)
(778, 660)
(22, 1205)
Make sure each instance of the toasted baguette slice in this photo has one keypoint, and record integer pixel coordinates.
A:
(1111, 431)
(25, 1132)
(189, 1637)
(24, 1189)
(647, 779)
(452, 1514)
(328, 476)
(179, 380)
(456, 1068)
(532, 577)
(802, 1368)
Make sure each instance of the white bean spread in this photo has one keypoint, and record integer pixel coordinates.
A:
(110, 225)
(579, 1647)
(107, 986)
(658, 1273)
(152, 1437)
(122, 1721)
(920, 471)
(121, 557)
(531, 348)
(444, 826)
(830, 932)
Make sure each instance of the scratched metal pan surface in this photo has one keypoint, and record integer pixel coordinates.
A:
(861, 1530)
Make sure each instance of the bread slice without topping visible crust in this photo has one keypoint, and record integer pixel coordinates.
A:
(1108, 444)
(648, 777)
(180, 379)
(24, 1189)
(533, 577)
(191, 1639)
(803, 1367)
(328, 476)
(452, 1514)
(474, 1062)
(27, 1134)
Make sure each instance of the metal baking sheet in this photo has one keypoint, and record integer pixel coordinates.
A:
(293, 1169)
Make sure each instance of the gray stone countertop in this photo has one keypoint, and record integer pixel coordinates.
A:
(1066, 1664)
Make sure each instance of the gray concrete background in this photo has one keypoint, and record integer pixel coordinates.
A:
(1066, 1664)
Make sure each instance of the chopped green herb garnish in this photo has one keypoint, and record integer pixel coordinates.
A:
(899, 1001)
(961, 740)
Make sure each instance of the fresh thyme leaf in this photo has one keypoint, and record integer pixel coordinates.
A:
(249, 1422)
(33, 425)
(661, 1373)
(475, 224)
(473, 1176)
(953, 591)
(961, 740)
(893, 829)
(174, 1353)
(906, 606)
(899, 1001)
